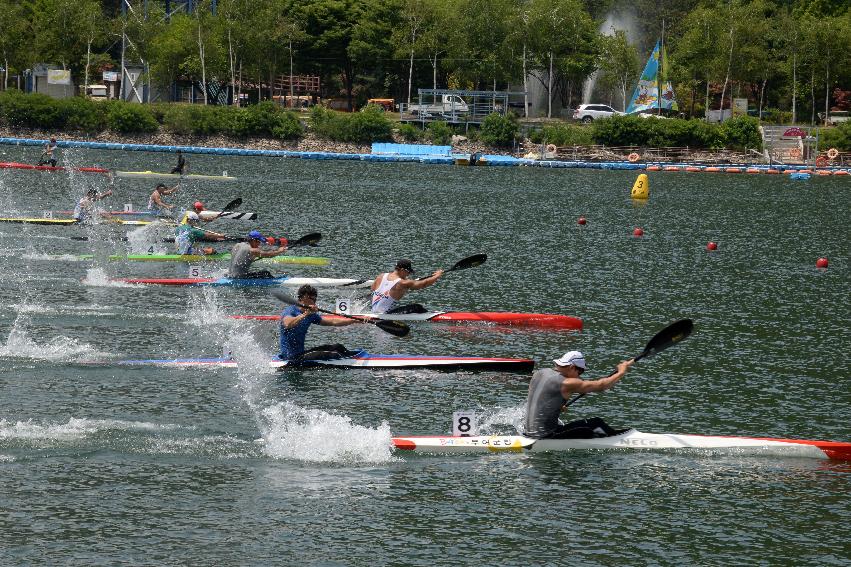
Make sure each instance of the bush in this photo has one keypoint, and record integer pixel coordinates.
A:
(409, 132)
(776, 116)
(742, 133)
(194, 119)
(82, 114)
(498, 130)
(30, 110)
(563, 135)
(364, 127)
(838, 137)
(129, 117)
(439, 133)
(288, 126)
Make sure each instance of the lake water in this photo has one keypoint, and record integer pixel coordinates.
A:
(106, 465)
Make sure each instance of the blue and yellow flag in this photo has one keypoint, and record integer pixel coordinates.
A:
(646, 95)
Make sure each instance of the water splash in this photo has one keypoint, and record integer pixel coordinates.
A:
(57, 349)
(619, 19)
(292, 432)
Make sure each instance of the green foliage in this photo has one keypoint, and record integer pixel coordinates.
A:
(83, 114)
(30, 110)
(264, 119)
(288, 126)
(498, 130)
(838, 137)
(563, 135)
(128, 117)
(776, 116)
(633, 130)
(364, 127)
(439, 133)
(741, 133)
(409, 132)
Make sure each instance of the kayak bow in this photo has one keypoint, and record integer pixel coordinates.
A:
(630, 439)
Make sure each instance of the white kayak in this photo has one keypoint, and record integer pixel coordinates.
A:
(630, 440)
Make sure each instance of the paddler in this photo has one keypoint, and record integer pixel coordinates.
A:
(551, 388)
(244, 253)
(187, 234)
(296, 321)
(156, 203)
(389, 288)
(180, 168)
(85, 208)
(48, 156)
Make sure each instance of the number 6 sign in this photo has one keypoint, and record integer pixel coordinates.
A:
(342, 306)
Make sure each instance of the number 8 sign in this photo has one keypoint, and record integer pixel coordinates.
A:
(464, 423)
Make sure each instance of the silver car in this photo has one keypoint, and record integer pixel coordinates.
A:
(590, 112)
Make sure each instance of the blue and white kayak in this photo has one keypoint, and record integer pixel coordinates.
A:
(361, 359)
(248, 282)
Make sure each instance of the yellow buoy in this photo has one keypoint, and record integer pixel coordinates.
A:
(641, 188)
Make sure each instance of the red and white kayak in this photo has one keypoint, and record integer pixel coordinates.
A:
(545, 320)
(630, 440)
(15, 165)
(360, 359)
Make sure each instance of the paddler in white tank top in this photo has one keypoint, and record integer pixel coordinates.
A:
(389, 288)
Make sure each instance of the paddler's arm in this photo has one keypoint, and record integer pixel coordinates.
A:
(268, 253)
(290, 322)
(337, 322)
(577, 386)
(419, 284)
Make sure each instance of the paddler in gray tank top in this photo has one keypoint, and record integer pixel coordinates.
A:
(244, 253)
(549, 391)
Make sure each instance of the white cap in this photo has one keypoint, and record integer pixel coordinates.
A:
(191, 215)
(573, 357)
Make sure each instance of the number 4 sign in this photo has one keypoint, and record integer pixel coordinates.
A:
(464, 423)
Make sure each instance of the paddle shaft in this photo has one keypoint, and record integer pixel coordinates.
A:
(393, 327)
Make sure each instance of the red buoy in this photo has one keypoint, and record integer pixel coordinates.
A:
(711, 246)
(821, 263)
(638, 232)
(582, 221)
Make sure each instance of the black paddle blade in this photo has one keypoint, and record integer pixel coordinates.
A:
(669, 336)
(284, 297)
(232, 205)
(408, 309)
(311, 239)
(393, 327)
(471, 262)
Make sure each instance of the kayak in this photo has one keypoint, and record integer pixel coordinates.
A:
(225, 256)
(632, 440)
(142, 174)
(545, 320)
(361, 359)
(157, 175)
(247, 282)
(205, 215)
(67, 222)
(15, 165)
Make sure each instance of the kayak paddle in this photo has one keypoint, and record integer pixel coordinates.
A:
(470, 262)
(667, 337)
(393, 327)
(236, 203)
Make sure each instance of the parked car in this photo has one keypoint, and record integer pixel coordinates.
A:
(836, 116)
(589, 112)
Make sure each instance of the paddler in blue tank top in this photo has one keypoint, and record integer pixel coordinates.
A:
(551, 388)
(296, 321)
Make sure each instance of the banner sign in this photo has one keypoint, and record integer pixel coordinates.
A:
(58, 77)
(110, 76)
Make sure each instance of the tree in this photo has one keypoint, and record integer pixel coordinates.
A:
(12, 33)
(619, 62)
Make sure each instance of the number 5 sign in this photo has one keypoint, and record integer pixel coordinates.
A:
(464, 423)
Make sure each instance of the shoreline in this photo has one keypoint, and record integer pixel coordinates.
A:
(310, 146)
